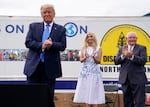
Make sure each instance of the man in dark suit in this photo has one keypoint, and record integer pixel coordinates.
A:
(48, 68)
(132, 59)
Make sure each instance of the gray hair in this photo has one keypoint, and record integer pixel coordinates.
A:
(131, 33)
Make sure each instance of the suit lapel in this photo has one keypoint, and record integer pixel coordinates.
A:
(53, 30)
(41, 30)
(135, 49)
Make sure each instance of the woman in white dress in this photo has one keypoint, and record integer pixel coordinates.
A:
(90, 89)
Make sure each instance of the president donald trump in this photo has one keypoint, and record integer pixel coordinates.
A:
(45, 40)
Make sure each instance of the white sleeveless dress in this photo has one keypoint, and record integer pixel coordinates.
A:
(90, 87)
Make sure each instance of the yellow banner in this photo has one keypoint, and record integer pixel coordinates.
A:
(115, 38)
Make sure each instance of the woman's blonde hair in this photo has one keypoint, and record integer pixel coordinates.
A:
(94, 45)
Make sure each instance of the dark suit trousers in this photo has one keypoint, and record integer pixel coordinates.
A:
(133, 94)
(39, 76)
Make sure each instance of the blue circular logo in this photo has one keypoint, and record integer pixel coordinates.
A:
(71, 29)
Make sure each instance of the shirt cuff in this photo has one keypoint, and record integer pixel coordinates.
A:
(42, 50)
(132, 57)
(122, 57)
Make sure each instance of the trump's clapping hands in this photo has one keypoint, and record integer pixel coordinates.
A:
(47, 43)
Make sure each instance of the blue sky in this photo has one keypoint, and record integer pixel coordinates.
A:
(76, 7)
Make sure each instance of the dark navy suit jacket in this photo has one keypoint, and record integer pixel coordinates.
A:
(52, 55)
(134, 69)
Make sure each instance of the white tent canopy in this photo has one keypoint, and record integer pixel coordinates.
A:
(76, 7)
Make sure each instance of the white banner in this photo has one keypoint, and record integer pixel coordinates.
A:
(109, 32)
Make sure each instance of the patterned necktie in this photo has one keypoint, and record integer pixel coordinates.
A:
(45, 37)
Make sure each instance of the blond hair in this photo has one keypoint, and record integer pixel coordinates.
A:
(48, 6)
(85, 45)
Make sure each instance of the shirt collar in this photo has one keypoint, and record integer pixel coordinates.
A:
(131, 46)
(51, 24)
